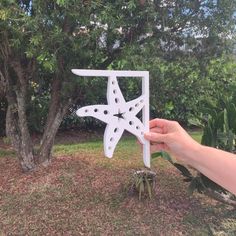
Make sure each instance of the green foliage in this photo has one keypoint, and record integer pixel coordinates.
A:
(178, 86)
(219, 131)
(183, 170)
(164, 155)
(196, 183)
(140, 35)
(220, 123)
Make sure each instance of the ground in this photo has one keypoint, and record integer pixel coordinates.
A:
(84, 193)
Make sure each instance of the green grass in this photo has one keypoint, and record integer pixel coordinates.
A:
(69, 149)
(127, 143)
(6, 153)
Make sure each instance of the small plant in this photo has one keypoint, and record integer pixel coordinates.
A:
(6, 140)
(144, 183)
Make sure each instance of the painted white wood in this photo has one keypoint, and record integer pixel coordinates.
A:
(108, 73)
(118, 114)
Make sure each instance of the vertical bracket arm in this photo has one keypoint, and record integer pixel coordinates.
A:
(146, 117)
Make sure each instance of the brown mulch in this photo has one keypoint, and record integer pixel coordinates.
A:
(92, 200)
(83, 194)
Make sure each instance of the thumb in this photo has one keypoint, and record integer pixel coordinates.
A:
(156, 137)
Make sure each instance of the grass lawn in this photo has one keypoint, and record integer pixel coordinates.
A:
(84, 193)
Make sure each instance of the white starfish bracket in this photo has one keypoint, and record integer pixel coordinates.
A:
(118, 114)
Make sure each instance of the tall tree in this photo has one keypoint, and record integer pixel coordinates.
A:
(188, 41)
(42, 40)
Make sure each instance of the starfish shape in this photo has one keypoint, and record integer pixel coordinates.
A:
(119, 115)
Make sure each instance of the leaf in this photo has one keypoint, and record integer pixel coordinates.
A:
(221, 138)
(231, 137)
(192, 186)
(207, 137)
(141, 190)
(167, 157)
(226, 123)
(60, 2)
(208, 183)
(3, 14)
(164, 155)
(156, 155)
(209, 108)
(219, 121)
(138, 182)
(148, 187)
(196, 184)
(184, 171)
(231, 116)
(195, 122)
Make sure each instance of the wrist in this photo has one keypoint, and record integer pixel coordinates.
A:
(193, 154)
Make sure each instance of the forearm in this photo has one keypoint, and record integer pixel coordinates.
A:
(218, 165)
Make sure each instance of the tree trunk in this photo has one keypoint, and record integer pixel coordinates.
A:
(20, 141)
(2, 85)
(47, 142)
(17, 130)
(16, 120)
(16, 73)
(15, 76)
(55, 116)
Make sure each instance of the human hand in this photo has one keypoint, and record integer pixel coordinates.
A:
(169, 136)
(217, 165)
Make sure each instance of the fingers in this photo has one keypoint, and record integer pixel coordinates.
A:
(155, 137)
(161, 123)
(156, 130)
(154, 146)
(158, 147)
